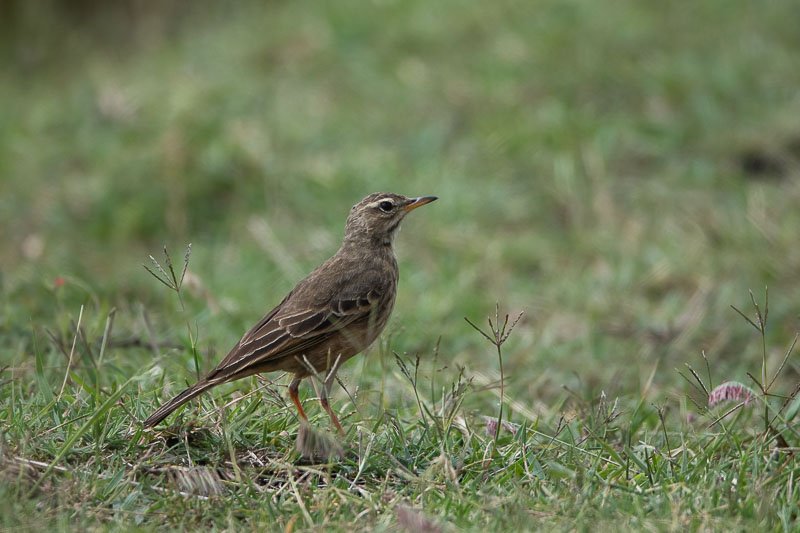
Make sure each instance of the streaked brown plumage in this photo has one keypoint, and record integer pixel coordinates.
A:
(334, 313)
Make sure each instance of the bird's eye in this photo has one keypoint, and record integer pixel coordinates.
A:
(386, 206)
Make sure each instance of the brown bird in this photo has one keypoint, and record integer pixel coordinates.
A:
(330, 316)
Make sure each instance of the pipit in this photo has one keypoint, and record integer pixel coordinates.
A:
(333, 314)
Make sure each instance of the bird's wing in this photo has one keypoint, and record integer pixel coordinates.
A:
(285, 331)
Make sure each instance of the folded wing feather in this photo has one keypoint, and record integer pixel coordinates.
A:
(280, 334)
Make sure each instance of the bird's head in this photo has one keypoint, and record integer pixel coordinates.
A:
(377, 217)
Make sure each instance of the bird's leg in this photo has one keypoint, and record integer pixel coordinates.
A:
(326, 388)
(325, 405)
(293, 386)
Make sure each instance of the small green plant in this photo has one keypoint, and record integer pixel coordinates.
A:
(170, 279)
(439, 411)
(744, 396)
(497, 335)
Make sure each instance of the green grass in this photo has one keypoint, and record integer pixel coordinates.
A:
(620, 172)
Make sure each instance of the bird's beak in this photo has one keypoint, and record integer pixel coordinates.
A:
(418, 202)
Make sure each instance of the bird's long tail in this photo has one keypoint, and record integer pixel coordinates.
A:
(165, 410)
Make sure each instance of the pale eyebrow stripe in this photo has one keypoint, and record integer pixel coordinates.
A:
(385, 199)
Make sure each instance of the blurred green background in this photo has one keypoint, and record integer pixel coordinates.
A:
(620, 171)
